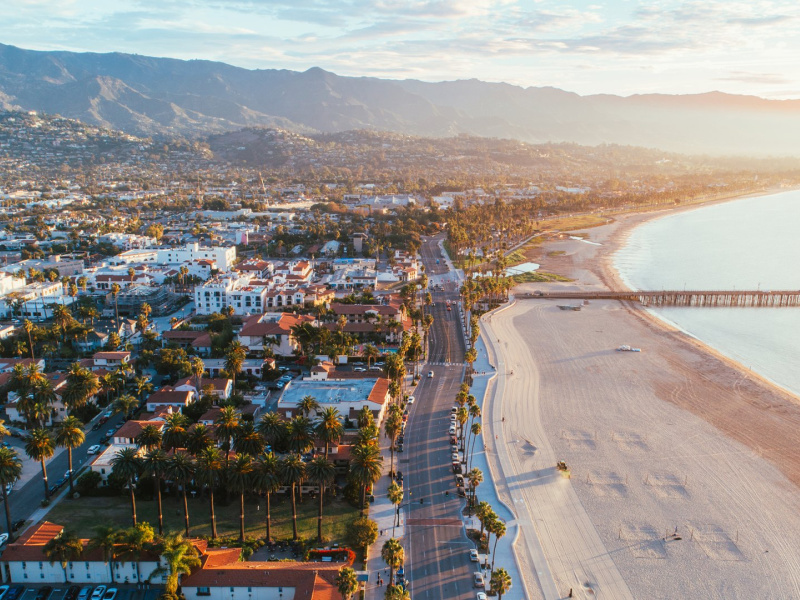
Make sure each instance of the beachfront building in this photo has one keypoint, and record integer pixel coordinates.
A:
(347, 396)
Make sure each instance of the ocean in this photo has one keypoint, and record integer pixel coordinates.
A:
(752, 243)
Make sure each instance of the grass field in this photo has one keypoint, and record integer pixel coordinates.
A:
(538, 277)
(578, 222)
(85, 514)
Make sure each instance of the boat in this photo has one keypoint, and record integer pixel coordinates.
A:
(569, 307)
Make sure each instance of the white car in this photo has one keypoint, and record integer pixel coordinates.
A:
(455, 457)
(430, 374)
(452, 430)
(3, 539)
(98, 592)
(93, 450)
(473, 554)
(411, 399)
(481, 596)
(477, 580)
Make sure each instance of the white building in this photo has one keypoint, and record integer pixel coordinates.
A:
(225, 257)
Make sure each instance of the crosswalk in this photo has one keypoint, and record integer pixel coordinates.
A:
(446, 364)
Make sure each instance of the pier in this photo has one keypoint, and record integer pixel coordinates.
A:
(681, 297)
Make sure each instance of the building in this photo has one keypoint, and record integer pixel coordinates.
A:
(167, 396)
(221, 387)
(273, 330)
(253, 367)
(199, 341)
(347, 396)
(225, 257)
(111, 360)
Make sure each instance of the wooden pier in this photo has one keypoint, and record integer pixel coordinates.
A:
(682, 297)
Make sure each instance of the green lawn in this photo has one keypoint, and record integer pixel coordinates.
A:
(85, 514)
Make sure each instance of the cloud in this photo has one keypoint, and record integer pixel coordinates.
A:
(760, 78)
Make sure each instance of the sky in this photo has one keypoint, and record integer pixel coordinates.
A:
(619, 47)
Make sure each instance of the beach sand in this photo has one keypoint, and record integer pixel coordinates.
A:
(675, 439)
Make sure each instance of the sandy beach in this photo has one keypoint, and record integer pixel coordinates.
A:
(684, 466)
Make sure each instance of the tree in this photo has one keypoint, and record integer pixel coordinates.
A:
(149, 438)
(174, 434)
(500, 583)
(234, 359)
(181, 557)
(127, 465)
(10, 470)
(363, 533)
(28, 327)
(299, 435)
(81, 385)
(228, 424)
(498, 528)
(115, 291)
(392, 426)
(198, 368)
(330, 429)
(393, 555)
(70, 435)
(395, 494)
(106, 539)
(371, 353)
(347, 582)
(198, 439)
(136, 540)
(475, 477)
(125, 404)
(40, 447)
(248, 440)
(180, 468)
(208, 468)
(292, 472)
(143, 386)
(266, 480)
(271, 427)
(396, 592)
(239, 476)
(365, 468)
(64, 548)
(155, 464)
(322, 472)
(308, 405)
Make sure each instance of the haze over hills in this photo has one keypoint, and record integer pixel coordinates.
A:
(154, 96)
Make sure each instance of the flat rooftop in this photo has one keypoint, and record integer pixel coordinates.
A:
(328, 392)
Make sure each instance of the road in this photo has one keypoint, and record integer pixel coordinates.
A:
(437, 549)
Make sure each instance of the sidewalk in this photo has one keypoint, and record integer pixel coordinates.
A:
(505, 556)
(383, 513)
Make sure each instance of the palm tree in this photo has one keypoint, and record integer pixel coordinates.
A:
(149, 438)
(198, 439)
(228, 424)
(28, 327)
(475, 477)
(462, 415)
(135, 540)
(330, 429)
(271, 427)
(266, 480)
(234, 359)
(10, 470)
(500, 583)
(476, 431)
(396, 592)
(248, 440)
(180, 468)
(40, 447)
(174, 434)
(155, 464)
(115, 292)
(395, 494)
(126, 464)
(142, 385)
(208, 467)
(365, 468)
(499, 530)
(322, 472)
(308, 405)
(299, 435)
(347, 582)
(70, 435)
(393, 555)
(64, 548)
(181, 557)
(81, 385)
(292, 472)
(198, 368)
(239, 475)
(125, 404)
(370, 352)
(106, 539)
(391, 427)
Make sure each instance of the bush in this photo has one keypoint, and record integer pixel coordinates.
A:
(88, 483)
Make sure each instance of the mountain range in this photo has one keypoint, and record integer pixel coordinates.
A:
(162, 96)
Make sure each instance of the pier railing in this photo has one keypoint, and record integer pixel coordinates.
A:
(681, 297)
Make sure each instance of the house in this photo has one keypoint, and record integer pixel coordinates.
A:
(199, 341)
(222, 576)
(127, 434)
(250, 366)
(24, 562)
(103, 462)
(111, 360)
(167, 396)
(222, 387)
(273, 331)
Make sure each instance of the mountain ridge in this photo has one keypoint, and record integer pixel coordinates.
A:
(154, 96)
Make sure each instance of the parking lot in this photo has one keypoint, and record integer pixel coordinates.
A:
(125, 592)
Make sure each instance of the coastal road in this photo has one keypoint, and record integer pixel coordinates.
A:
(437, 550)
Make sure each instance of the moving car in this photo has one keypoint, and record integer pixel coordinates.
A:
(477, 580)
(473, 555)
(430, 374)
(411, 399)
(93, 449)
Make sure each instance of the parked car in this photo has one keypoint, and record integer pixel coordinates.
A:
(455, 457)
(111, 432)
(477, 580)
(110, 594)
(18, 525)
(98, 592)
(481, 596)
(473, 555)
(3, 591)
(96, 426)
(452, 430)
(72, 593)
(93, 449)
(411, 399)
(85, 593)
(44, 593)
(53, 489)
(15, 593)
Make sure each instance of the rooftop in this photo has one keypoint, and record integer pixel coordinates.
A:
(332, 392)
